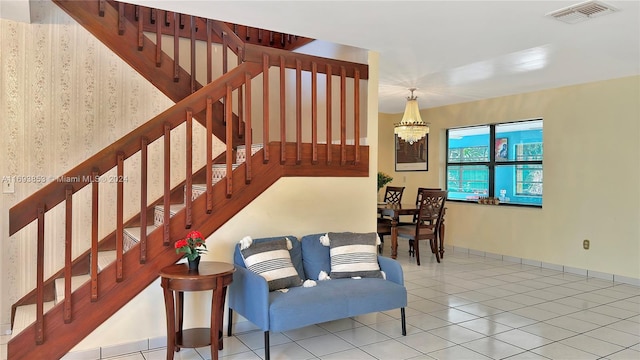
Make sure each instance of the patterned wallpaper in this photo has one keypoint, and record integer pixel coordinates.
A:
(65, 96)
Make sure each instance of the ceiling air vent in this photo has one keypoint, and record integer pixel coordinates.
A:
(581, 12)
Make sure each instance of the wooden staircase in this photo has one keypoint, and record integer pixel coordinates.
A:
(65, 308)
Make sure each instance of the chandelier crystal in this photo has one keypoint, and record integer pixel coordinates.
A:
(411, 128)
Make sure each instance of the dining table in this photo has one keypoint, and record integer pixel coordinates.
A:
(394, 211)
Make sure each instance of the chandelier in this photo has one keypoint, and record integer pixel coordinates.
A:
(411, 128)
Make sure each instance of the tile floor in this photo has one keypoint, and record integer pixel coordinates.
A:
(467, 307)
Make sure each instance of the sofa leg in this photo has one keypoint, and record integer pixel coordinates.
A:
(266, 345)
(230, 322)
(404, 322)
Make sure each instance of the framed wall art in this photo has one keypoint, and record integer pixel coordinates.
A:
(412, 157)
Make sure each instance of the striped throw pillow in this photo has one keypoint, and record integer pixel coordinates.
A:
(272, 261)
(354, 255)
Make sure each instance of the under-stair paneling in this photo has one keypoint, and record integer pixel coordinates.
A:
(64, 96)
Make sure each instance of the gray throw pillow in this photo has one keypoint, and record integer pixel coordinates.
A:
(354, 255)
(272, 261)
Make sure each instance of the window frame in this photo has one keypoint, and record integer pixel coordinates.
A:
(492, 163)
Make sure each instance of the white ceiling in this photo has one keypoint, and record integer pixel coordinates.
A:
(452, 51)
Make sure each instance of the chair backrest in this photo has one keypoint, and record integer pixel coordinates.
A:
(431, 210)
(419, 199)
(393, 194)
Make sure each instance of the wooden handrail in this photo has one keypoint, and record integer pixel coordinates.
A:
(255, 53)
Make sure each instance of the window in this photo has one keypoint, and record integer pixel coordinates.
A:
(499, 160)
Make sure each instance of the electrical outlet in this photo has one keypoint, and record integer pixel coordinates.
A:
(585, 244)
(8, 187)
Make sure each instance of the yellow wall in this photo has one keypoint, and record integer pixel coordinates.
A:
(591, 177)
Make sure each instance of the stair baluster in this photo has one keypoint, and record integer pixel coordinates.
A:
(209, 172)
(248, 139)
(189, 169)
(167, 184)
(159, 14)
(298, 111)
(39, 335)
(94, 235)
(356, 115)
(176, 47)
(283, 118)
(140, 19)
(229, 159)
(144, 162)
(119, 214)
(68, 231)
(343, 116)
(192, 31)
(329, 113)
(314, 113)
(265, 105)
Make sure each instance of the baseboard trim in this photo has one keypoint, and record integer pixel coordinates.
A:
(616, 279)
(117, 350)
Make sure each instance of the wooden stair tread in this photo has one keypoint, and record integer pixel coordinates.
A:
(134, 231)
(26, 315)
(76, 282)
(173, 208)
(105, 258)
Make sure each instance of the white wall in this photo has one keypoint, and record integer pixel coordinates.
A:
(591, 177)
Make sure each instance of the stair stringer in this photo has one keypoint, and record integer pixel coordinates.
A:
(59, 337)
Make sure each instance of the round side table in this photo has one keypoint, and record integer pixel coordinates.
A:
(215, 276)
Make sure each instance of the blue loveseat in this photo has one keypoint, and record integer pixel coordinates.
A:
(301, 306)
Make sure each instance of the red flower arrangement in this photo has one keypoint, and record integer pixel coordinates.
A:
(192, 246)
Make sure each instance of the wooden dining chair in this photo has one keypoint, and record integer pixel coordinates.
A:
(428, 222)
(415, 216)
(392, 195)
